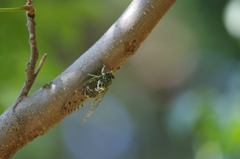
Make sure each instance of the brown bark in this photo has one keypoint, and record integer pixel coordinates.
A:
(36, 114)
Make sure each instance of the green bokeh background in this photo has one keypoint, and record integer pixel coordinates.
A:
(180, 89)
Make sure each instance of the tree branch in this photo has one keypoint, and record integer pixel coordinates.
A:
(39, 112)
(30, 74)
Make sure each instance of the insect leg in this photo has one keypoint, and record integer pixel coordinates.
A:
(102, 71)
(93, 75)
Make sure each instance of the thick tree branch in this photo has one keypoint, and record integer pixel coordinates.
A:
(37, 113)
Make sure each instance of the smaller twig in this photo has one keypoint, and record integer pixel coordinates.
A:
(26, 8)
(40, 64)
(30, 74)
(12, 9)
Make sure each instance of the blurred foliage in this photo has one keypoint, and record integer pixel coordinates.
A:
(176, 98)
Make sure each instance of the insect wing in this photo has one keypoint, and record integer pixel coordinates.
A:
(74, 101)
(72, 104)
(94, 106)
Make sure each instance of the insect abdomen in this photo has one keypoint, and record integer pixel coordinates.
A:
(91, 92)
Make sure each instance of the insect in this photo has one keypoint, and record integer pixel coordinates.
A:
(95, 87)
